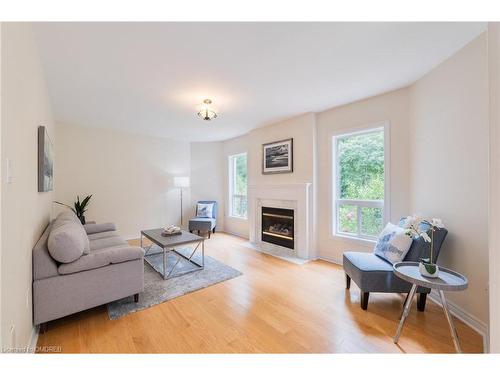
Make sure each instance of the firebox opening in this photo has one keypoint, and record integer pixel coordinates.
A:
(277, 226)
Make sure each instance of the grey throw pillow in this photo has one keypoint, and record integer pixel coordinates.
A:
(68, 216)
(64, 217)
(68, 242)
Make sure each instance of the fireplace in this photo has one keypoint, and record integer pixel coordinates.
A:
(278, 226)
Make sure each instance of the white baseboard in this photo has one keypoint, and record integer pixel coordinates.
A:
(329, 259)
(468, 319)
(233, 234)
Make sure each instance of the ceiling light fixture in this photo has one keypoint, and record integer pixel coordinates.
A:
(206, 111)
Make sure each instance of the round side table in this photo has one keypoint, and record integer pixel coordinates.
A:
(447, 280)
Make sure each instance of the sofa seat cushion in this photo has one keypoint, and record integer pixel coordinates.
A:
(97, 236)
(101, 258)
(67, 242)
(102, 243)
(372, 273)
(201, 223)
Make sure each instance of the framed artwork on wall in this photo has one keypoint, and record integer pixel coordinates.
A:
(45, 161)
(277, 157)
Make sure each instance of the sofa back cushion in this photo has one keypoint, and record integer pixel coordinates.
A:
(68, 242)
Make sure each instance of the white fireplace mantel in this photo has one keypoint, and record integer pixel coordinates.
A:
(296, 196)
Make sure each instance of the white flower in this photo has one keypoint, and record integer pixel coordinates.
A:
(438, 223)
(411, 221)
(425, 236)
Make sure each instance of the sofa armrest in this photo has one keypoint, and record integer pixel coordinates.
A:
(98, 228)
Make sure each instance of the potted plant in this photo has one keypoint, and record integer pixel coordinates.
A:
(79, 207)
(413, 226)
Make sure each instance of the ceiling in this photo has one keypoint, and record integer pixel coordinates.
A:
(148, 78)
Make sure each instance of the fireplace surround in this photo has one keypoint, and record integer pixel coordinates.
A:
(296, 197)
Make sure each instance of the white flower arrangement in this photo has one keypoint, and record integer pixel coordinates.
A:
(413, 226)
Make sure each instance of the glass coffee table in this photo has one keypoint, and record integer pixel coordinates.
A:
(166, 247)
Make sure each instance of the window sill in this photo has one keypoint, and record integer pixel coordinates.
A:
(238, 217)
(359, 240)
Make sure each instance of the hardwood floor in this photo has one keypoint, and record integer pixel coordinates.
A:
(274, 307)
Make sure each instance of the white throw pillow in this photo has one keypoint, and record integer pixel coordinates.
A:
(393, 243)
(204, 210)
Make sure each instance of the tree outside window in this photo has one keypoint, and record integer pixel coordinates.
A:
(360, 181)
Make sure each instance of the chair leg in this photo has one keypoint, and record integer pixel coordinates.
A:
(213, 230)
(136, 297)
(43, 328)
(422, 297)
(347, 281)
(364, 300)
(209, 234)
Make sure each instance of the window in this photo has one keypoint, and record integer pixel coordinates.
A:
(238, 185)
(359, 185)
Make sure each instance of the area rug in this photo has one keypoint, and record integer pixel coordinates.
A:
(157, 290)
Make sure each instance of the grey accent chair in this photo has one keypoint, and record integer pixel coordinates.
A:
(94, 266)
(204, 224)
(373, 274)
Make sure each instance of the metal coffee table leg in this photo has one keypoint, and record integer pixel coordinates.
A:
(189, 259)
(453, 330)
(406, 311)
(164, 263)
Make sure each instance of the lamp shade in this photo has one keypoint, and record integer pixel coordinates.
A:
(181, 182)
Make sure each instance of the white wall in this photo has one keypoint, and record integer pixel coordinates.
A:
(130, 176)
(430, 122)
(391, 107)
(303, 131)
(25, 212)
(207, 177)
(494, 253)
(312, 149)
(449, 165)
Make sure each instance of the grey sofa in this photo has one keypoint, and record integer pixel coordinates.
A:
(78, 267)
(204, 224)
(374, 274)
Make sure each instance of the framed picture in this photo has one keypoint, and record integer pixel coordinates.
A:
(277, 157)
(45, 161)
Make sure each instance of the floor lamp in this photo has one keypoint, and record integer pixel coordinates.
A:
(181, 182)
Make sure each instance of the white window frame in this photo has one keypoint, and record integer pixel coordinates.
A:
(335, 191)
(231, 169)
